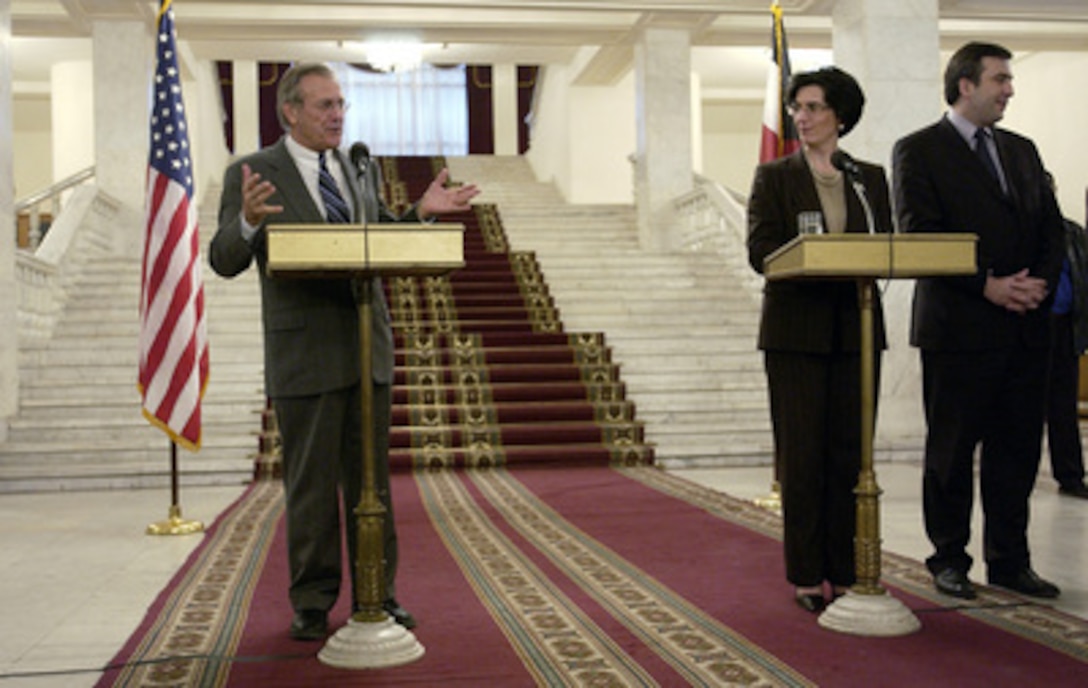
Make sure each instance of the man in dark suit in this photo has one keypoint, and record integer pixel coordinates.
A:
(984, 337)
(311, 334)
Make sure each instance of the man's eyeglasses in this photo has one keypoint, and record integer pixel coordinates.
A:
(327, 106)
(812, 108)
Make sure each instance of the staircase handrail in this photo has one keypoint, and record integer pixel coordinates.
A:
(714, 219)
(713, 216)
(52, 193)
(43, 277)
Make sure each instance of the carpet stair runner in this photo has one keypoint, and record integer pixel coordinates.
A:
(683, 324)
(485, 373)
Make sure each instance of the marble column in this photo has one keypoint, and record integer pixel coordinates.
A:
(9, 307)
(663, 156)
(504, 105)
(247, 117)
(123, 63)
(892, 47)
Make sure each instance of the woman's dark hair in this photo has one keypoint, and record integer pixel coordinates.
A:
(841, 92)
(966, 63)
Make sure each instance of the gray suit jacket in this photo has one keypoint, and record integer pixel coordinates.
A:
(311, 332)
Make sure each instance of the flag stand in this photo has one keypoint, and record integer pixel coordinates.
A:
(174, 523)
(773, 500)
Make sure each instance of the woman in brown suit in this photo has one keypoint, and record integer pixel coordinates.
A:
(810, 332)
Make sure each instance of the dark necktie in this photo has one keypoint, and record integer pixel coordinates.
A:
(982, 150)
(336, 210)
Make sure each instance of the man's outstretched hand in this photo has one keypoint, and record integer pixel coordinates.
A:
(439, 199)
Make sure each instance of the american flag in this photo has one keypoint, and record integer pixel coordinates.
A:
(173, 330)
(778, 137)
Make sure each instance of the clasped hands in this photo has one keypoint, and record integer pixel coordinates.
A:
(436, 200)
(1018, 292)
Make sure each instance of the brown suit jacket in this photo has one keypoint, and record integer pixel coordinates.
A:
(815, 316)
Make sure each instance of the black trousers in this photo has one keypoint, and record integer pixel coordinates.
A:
(993, 401)
(816, 416)
(1062, 418)
(322, 464)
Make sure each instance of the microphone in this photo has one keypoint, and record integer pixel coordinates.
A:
(360, 157)
(841, 160)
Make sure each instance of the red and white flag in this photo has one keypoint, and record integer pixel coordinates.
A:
(173, 328)
(779, 137)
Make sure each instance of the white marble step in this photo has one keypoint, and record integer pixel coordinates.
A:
(80, 425)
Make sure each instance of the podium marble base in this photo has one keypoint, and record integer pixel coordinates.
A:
(370, 645)
(869, 615)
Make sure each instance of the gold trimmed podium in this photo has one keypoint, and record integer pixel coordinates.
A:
(371, 639)
(868, 609)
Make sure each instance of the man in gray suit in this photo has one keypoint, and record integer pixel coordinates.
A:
(311, 334)
(984, 337)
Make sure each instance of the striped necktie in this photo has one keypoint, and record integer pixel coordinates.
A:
(982, 150)
(336, 210)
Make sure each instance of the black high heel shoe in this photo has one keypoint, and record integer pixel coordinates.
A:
(811, 602)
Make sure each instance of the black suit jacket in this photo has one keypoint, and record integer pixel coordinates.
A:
(311, 331)
(814, 316)
(940, 186)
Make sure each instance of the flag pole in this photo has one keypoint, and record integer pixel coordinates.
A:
(173, 370)
(174, 523)
(772, 501)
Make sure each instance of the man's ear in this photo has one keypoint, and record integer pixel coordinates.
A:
(966, 86)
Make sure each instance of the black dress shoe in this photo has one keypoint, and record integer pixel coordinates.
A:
(954, 582)
(310, 624)
(1074, 490)
(399, 613)
(1027, 582)
(810, 602)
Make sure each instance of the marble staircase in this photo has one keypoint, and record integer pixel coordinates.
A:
(682, 326)
(80, 424)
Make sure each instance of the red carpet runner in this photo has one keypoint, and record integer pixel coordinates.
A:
(593, 576)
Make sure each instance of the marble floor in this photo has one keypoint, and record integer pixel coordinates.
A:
(77, 571)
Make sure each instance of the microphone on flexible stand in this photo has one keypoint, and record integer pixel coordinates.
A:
(841, 160)
(360, 157)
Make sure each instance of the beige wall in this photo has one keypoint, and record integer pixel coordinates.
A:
(1051, 107)
(731, 142)
(32, 144)
(581, 138)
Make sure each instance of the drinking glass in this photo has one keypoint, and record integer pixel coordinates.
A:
(810, 222)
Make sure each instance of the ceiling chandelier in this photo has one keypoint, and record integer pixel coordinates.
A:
(394, 56)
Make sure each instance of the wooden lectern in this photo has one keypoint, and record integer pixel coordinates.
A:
(370, 639)
(868, 609)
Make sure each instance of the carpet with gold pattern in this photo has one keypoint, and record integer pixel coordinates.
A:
(583, 577)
